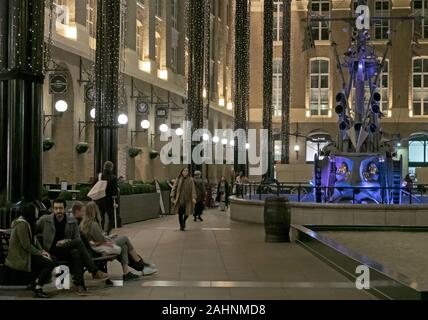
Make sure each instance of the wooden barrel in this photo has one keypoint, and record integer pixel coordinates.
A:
(277, 215)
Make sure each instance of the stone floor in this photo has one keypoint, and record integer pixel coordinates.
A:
(217, 259)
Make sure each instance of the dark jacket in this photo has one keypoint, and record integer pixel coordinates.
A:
(200, 189)
(227, 192)
(45, 229)
(22, 246)
(111, 190)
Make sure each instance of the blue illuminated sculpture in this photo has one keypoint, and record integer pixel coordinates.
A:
(359, 167)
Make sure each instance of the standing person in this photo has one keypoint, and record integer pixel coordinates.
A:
(106, 204)
(209, 194)
(26, 254)
(183, 197)
(200, 196)
(223, 193)
(408, 183)
(129, 257)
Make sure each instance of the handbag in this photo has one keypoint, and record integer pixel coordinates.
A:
(98, 191)
(107, 248)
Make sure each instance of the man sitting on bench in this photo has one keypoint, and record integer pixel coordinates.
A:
(61, 238)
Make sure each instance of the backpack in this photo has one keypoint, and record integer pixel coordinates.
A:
(98, 191)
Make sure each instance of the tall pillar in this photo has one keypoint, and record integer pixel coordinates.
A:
(21, 84)
(242, 75)
(267, 82)
(196, 29)
(107, 82)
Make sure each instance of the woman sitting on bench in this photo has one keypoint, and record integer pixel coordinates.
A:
(26, 254)
(128, 257)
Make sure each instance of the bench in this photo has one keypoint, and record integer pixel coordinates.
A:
(23, 277)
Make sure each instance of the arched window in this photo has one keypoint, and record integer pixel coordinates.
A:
(418, 150)
(420, 87)
(319, 87)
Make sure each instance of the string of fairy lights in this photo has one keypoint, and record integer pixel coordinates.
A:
(242, 69)
(286, 76)
(267, 79)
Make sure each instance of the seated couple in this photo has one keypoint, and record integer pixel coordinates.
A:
(60, 241)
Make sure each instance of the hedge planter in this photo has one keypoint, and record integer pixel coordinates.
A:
(82, 147)
(48, 144)
(139, 207)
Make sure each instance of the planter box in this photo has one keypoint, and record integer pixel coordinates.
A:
(139, 207)
(166, 201)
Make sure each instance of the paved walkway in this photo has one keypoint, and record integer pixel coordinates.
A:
(218, 259)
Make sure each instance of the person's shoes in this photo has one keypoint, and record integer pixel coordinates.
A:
(182, 228)
(200, 218)
(81, 291)
(148, 271)
(40, 294)
(130, 277)
(99, 275)
(109, 283)
(194, 219)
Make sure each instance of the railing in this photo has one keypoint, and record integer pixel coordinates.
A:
(303, 192)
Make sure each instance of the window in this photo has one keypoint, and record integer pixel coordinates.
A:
(159, 8)
(174, 13)
(420, 87)
(420, 27)
(90, 17)
(381, 27)
(319, 81)
(60, 9)
(320, 29)
(140, 30)
(277, 151)
(277, 87)
(277, 21)
(418, 150)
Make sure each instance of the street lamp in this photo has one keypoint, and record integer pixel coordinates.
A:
(297, 149)
(92, 113)
(122, 119)
(179, 132)
(216, 139)
(163, 128)
(145, 124)
(61, 106)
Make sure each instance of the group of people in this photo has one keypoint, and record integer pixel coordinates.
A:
(37, 247)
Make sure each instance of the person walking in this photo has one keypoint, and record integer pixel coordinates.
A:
(25, 252)
(106, 204)
(223, 193)
(200, 196)
(183, 197)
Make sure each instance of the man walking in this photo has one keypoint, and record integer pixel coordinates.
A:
(200, 195)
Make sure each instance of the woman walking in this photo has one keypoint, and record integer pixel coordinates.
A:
(183, 197)
(121, 245)
(106, 204)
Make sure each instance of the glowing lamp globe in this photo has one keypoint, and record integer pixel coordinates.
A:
(61, 106)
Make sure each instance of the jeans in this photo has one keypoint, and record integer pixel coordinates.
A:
(106, 207)
(76, 253)
(126, 245)
(182, 217)
(199, 209)
(41, 269)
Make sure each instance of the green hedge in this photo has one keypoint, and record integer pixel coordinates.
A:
(65, 195)
(83, 194)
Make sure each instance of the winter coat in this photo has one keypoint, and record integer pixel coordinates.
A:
(22, 246)
(175, 195)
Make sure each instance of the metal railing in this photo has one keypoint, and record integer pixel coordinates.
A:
(304, 192)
